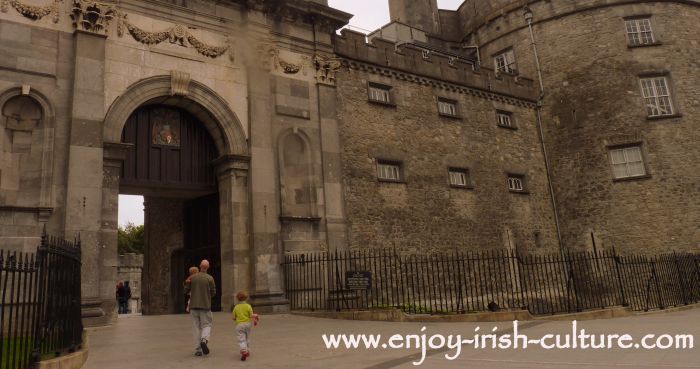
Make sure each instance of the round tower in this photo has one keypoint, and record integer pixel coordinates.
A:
(421, 14)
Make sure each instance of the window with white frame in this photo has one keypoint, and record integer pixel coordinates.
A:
(505, 119)
(459, 177)
(380, 93)
(505, 62)
(447, 107)
(388, 170)
(516, 182)
(639, 32)
(627, 162)
(657, 96)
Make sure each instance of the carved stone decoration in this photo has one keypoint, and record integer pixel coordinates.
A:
(326, 68)
(179, 83)
(177, 34)
(92, 16)
(287, 67)
(33, 12)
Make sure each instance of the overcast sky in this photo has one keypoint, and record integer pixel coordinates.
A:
(369, 16)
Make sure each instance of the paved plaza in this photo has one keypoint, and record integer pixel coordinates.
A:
(289, 341)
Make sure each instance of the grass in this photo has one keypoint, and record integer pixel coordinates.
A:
(21, 358)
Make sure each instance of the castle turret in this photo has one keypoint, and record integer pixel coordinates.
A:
(421, 14)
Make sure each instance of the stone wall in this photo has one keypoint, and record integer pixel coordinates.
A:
(593, 101)
(423, 213)
(131, 269)
(164, 234)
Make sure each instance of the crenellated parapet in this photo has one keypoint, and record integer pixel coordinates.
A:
(421, 65)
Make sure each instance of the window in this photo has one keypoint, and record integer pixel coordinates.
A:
(505, 119)
(639, 32)
(516, 183)
(459, 177)
(425, 54)
(380, 93)
(388, 171)
(657, 96)
(447, 107)
(505, 62)
(627, 162)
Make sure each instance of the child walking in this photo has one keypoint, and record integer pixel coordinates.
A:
(193, 270)
(244, 317)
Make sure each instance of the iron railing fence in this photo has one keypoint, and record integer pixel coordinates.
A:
(39, 303)
(461, 282)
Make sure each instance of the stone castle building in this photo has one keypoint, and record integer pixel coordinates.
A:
(253, 130)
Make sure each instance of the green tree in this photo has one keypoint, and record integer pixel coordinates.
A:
(130, 239)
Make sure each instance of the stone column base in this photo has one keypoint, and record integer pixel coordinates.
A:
(96, 312)
(266, 302)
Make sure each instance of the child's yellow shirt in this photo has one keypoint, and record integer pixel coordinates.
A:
(242, 312)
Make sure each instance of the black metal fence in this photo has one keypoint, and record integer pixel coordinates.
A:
(461, 282)
(40, 303)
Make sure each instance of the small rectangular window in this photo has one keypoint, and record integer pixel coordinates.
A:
(389, 171)
(657, 96)
(505, 62)
(627, 162)
(379, 93)
(447, 107)
(459, 177)
(505, 119)
(516, 183)
(639, 32)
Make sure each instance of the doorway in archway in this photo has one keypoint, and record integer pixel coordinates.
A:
(169, 163)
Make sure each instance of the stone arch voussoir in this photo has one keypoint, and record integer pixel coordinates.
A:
(200, 100)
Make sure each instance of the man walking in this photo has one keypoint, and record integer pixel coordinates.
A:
(201, 289)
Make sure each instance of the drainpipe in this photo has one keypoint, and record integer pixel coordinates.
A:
(527, 13)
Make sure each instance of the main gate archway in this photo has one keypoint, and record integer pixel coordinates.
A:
(229, 197)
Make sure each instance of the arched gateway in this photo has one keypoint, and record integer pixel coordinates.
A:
(178, 143)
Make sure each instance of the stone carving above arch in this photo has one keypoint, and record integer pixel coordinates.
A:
(202, 102)
(33, 12)
(26, 151)
(178, 34)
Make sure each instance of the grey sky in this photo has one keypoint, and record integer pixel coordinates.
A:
(369, 15)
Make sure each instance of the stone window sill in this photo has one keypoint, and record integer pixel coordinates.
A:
(382, 180)
(382, 103)
(458, 187)
(522, 192)
(635, 178)
(512, 128)
(644, 45)
(662, 117)
(450, 116)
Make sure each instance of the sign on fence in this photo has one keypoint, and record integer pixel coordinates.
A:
(358, 280)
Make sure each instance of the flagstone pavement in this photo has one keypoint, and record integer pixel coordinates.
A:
(290, 341)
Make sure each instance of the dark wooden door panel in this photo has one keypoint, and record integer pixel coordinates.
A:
(170, 148)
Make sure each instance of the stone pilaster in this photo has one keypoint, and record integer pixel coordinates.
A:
(87, 176)
(234, 210)
(265, 256)
(332, 170)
